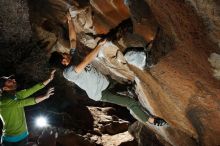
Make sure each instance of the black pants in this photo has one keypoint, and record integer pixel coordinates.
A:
(19, 143)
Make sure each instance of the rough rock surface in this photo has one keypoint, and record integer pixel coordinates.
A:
(16, 27)
(109, 130)
(181, 87)
(15, 32)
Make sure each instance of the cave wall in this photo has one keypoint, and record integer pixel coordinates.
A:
(180, 87)
(15, 30)
(14, 21)
(184, 75)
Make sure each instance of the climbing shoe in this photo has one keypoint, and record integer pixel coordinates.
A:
(159, 121)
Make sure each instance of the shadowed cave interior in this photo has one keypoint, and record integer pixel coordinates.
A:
(165, 55)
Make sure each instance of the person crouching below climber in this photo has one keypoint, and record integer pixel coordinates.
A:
(12, 105)
(94, 82)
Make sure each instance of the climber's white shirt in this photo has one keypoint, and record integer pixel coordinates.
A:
(90, 80)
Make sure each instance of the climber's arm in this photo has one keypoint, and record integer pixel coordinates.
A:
(89, 58)
(72, 32)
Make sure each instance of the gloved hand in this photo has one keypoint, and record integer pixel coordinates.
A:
(159, 122)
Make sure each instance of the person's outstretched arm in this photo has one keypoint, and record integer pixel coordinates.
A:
(72, 32)
(89, 58)
(46, 96)
(9, 103)
(50, 78)
(28, 92)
